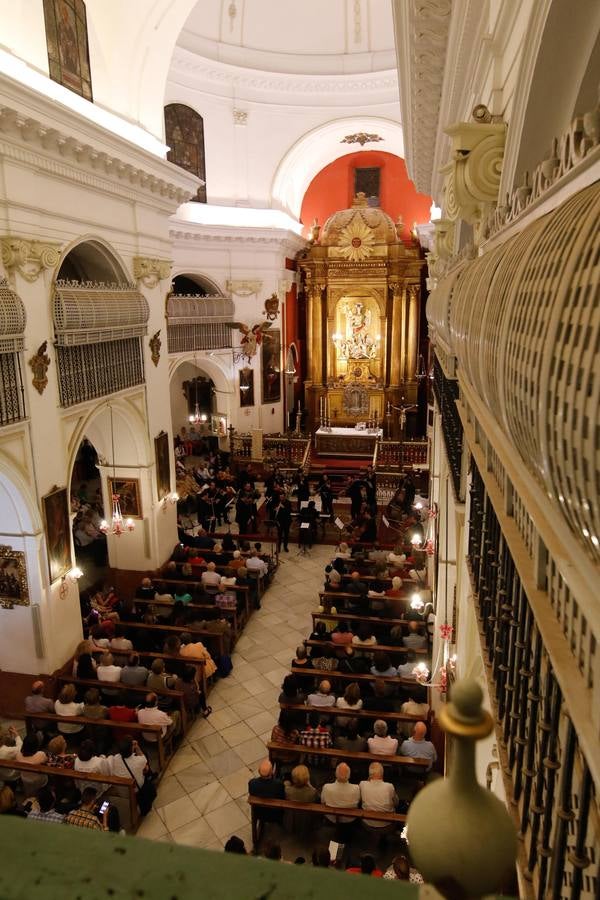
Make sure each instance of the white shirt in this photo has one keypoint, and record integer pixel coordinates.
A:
(136, 763)
(255, 564)
(108, 673)
(383, 746)
(211, 578)
(97, 765)
(379, 796)
(341, 703)
(152, 715)
(68, 709)
(342, 794)
(320, 700)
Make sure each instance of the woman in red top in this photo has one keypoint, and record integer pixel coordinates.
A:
(368, 866)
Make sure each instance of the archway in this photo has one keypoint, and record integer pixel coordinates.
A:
(198, 420)
(87, 510)
(92, 259)
(195, 284)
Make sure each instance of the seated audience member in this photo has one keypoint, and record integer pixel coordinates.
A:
(85, 816)
(46, 811)
(211, 577)
(402, 870)
(395, 591)
(66, 706)
(86, 667)
(191, 649)
(92, 707)
(418, 747)
(379, 702)
(364, 635)
(217, 626)
(290, 691)
(235, 845)
(405, 670)
(128, 611)
(343, 551)
(351, 698)
(382, 666)
(100, 638)
(368, 866)
(237, 562)
(158, 680)
(58, 755)
(301, 660)
(107, 671)
(412, 708)
(68, 795)
(146, 590)
(10, 745)
(323, 697)
(299, 788)
(285, 731)
(349, 738)
(134, 674)
(319, 634)
(87, 760)
(333, 579)
(396, 556)
(415, 639)
(9, 805)
(193, 697)
(321, 858)
(316, 734)
(128, 762)
(267, 786)
(356, 586)
(324, 659)
(341, 793)
(378, 795)
(35, 702)
(255, 564)
(341, 634)
(354, 663)
(84, 648)
(118, 712)
(381, 743)
(33, 756)
(150, 714)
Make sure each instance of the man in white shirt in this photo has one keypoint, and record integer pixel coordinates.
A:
(381, 743)
(107, 671)
(341, 793)
(255, 564)
(130, 754)
(323, 697)
(211, 577)
(412, 708)
(378, 795)
(150, 714)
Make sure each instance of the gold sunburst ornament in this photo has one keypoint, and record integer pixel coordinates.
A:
(356, 241)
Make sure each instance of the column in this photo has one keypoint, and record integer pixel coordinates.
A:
(397, 332)
(413, 331)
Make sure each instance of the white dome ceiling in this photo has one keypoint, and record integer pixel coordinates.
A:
(324, 37)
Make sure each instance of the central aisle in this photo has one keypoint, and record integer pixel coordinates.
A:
(202, 796)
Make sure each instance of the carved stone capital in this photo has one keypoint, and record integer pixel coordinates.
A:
(27, 256)
(472, 177)
(443, 239)
(150, 271)
(243, 287)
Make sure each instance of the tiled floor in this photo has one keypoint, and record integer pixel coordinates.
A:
(202, 796)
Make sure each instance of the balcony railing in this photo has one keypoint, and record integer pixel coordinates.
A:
(446, 394)
(12, 395)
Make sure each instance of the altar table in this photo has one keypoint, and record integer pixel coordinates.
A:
(347, 441)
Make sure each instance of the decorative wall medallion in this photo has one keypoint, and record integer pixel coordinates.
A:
(240, 116)
(28, 257)
(362, 138)
(13, 578)
(39, 363)
(243, 287)
(155, 344)
(150, 271)
(272, 307)
(356, 241)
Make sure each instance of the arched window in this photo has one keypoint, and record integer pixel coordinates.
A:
(184, 134)
(67, 43)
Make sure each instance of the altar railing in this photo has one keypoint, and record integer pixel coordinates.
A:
(396, 454)
(287, 450)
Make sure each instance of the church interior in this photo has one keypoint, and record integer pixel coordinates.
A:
(299, 448)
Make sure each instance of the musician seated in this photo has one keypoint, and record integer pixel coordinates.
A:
(368, 528)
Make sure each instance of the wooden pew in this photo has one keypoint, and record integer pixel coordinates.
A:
(242, 590)
(124, 727)
(326, 675)
(119, 686)
(356, 617)
(354, 713)
(200, 664)
(403, 762)
(374, 648)
(229, 614)
(207, 637)
(319, 809)
(341, 599)
(90, 777)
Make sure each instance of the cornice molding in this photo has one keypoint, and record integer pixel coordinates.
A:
(267, 237)
(243, 287)
(422, 28)
(37, 133)
(184, 62)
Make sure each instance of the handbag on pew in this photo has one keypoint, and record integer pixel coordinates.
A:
(146, 794)
(226, 601)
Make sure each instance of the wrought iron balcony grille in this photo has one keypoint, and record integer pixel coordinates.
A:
(446, 394)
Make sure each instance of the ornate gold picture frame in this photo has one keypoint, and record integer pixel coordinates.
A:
(128, 490)
(57, 519)
(14, 590)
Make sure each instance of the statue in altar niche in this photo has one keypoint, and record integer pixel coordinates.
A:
(357, 343)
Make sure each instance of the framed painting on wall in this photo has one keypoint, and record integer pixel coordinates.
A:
(247, 387)
(270, 352)
(128, 490)
(57, 522)
(67, 45)
(163, 464)
(14, 590)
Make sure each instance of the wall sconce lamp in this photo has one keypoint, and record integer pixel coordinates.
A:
(71, 577)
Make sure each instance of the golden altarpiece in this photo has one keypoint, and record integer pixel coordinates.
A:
(363, 302)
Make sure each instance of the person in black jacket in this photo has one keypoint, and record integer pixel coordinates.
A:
(282, 516)
(266, 785)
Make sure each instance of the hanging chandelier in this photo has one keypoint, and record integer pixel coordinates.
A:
(117, 525)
